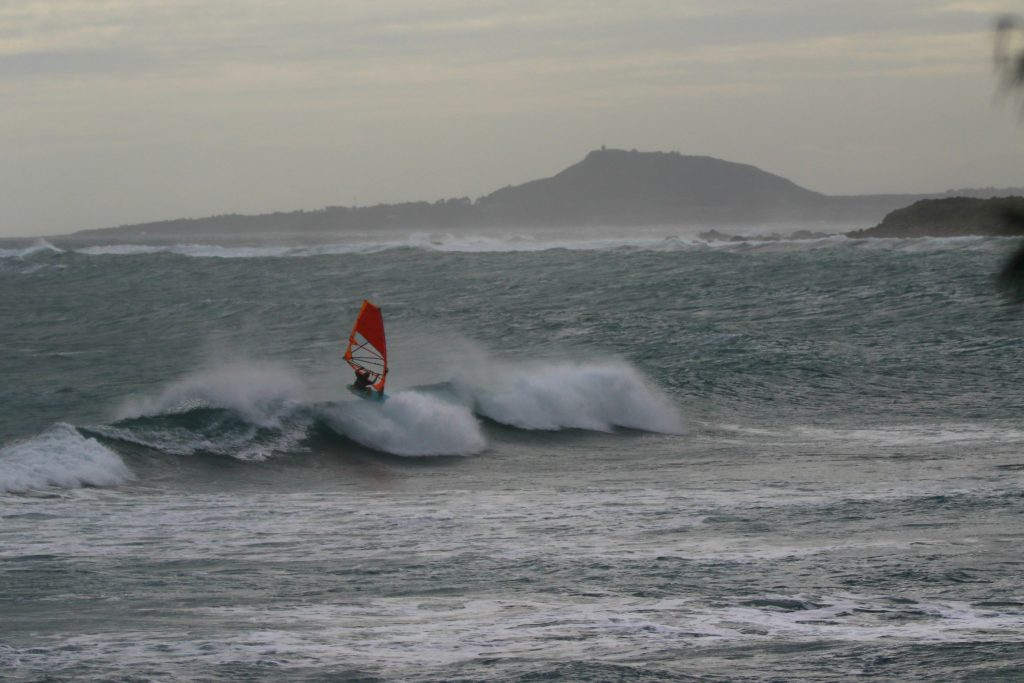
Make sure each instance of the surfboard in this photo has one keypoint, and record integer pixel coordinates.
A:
(367, 352)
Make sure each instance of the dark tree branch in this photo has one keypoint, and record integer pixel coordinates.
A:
(1008, 58)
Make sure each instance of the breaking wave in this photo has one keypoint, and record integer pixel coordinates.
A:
(250, 411)
(253, 411)
(410, 423)
(243, 409)
(597, 396)
(59, 458)
(211, 431)
(261, 393)
(39, 246)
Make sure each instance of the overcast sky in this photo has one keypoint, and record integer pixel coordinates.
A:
(123, 111)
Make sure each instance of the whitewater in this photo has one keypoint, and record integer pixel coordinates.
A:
(619, 457)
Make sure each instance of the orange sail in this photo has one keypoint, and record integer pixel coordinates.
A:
(367, 350)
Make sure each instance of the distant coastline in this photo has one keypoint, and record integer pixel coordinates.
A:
(608, 188)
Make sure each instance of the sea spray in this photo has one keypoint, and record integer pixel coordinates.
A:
(409, 423)
(261, 393)
(551, 395)
(245, 409)
(59, 457)
(250, 410)
(599, 393)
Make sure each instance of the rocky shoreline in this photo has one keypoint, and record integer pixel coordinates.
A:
(951, 217)
(945, 217)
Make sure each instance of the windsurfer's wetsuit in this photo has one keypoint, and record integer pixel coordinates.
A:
(362, 382)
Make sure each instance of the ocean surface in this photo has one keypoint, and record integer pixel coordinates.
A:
(616, 459)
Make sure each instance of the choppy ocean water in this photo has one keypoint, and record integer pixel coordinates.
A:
(621, 459)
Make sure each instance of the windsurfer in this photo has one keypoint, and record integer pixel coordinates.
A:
(362, 382)
(367, 353)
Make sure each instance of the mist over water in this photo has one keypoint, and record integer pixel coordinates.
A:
(626, 458)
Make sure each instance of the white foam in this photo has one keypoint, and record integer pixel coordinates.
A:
(836, 618)
(907, 435)
(59, 457)
(410, 423)
(578, 395)
(225, 252)
(594, 240)
(424, 241)
(529, 243)
(446, 242)
(889, 435)
(417, 637)
(259, 392)
(196, 250)
(177, 441)
(121, 250)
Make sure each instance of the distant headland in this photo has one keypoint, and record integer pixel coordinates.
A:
(950, 217)
(609, 187)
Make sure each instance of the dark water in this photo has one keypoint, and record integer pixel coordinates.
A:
(613, 460)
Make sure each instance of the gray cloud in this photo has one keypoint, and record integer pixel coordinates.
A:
(254, 106)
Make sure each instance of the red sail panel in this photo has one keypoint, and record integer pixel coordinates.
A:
(370, 324)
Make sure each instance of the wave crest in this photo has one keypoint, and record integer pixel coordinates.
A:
(228, 252)
(550, 396)
(60, 457)
(409, 423)
(39, 246)
(260, 393)
(252, 411)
